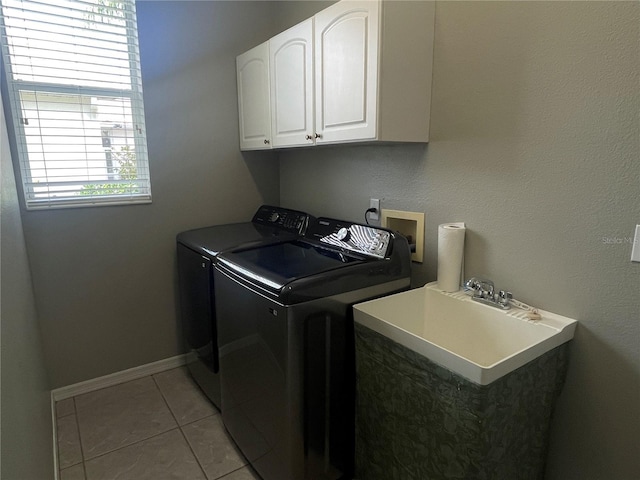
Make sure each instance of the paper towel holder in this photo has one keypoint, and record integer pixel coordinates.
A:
(409, 224)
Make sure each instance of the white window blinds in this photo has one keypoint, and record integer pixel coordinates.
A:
(73, 75)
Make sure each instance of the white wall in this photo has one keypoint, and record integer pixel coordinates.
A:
(535, 144)
(26, 437)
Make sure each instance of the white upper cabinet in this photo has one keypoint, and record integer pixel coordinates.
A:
(254, 106)
(291, 64)
(346, 61)
(358, 71)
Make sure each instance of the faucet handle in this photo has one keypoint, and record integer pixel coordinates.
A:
(474, 285)
(504, 297)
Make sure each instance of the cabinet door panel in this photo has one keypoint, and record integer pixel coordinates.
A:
(253, 98)
(346, 71)
(291, 63)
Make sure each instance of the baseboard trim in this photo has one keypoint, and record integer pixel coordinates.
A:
(134, 373)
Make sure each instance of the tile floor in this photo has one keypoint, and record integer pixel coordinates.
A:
(154, 428)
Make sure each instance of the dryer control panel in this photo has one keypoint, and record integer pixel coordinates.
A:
(289, 220)
(354, 237)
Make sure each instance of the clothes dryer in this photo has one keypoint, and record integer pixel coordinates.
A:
(197, 251)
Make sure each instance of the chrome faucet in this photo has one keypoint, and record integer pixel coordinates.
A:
(483, 291)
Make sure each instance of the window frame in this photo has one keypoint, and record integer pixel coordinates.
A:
(12, 87)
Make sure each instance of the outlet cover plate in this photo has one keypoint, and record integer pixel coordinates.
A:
(374, 203)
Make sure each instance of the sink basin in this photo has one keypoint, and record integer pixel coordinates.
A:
(479, 342)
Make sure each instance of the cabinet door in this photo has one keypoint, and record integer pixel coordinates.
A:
(291, 64)
(346, 62)
(253, 98)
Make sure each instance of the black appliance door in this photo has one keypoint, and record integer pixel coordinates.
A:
(276, 265)
(287, 381)
(197, 309)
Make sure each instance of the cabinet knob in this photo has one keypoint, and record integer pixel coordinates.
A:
(266, 142)
(318, 135)
(308, 137)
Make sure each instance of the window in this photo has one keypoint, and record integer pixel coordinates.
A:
(73, 74)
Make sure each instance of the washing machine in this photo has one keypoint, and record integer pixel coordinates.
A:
(197, 251)
(286, 343)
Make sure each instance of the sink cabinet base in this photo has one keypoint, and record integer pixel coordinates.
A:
(418, 420)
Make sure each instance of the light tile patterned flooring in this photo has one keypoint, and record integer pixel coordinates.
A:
(154, 428)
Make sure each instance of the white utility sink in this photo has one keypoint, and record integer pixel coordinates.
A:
(479, 342)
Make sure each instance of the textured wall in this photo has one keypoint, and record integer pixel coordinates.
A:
(26, 403)
(536, 146)
(104, 277)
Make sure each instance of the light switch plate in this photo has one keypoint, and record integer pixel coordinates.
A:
(635, 251)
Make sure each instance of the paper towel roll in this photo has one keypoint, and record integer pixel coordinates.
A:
(450, 256)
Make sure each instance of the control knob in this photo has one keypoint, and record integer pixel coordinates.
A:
(343, 234)
(274, 217)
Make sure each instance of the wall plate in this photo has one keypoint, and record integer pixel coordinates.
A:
(374, 203)
(409, 224)
(635, 251)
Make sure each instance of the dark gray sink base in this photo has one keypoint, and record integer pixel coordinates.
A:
(418, 420)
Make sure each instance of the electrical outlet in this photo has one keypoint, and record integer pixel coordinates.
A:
(635, 251)
(374, 203)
